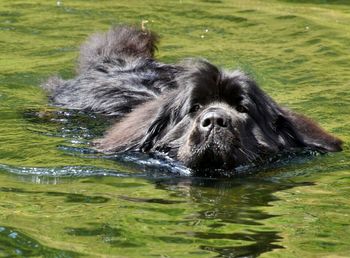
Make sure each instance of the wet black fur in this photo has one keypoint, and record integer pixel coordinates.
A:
(165, 108)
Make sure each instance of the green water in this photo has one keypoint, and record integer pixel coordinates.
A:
(57, 199)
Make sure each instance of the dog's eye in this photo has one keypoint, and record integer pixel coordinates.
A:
(241, 109)
(195, 108)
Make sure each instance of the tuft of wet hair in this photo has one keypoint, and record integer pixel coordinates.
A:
(51, 84)
(119, 42)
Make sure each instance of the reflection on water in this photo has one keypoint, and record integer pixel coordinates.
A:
(215, 216)
(232, 202)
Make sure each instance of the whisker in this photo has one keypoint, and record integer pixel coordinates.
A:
(249, 156)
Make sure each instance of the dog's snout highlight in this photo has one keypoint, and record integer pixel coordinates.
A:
(217, 118)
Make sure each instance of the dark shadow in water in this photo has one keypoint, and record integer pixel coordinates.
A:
(263, 243)
(13, 243)
(149, 200)
(220, 203)
(70, 197)
(226, 202)
(113, 236)
(95, 230)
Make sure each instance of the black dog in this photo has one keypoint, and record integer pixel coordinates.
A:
(194, 112)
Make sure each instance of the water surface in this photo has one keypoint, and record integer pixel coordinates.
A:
(60, 199)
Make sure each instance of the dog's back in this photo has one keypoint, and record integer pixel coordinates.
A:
(116, 72)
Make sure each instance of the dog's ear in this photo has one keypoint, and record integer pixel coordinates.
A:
(295, 129)
(310, 133)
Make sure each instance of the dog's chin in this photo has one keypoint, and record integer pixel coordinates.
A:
(213, 153)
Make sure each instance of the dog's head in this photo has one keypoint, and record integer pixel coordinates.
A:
(220, 119)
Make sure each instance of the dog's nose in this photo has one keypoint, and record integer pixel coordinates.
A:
(214, 118)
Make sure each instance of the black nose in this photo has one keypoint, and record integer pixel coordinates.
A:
(214, 118)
